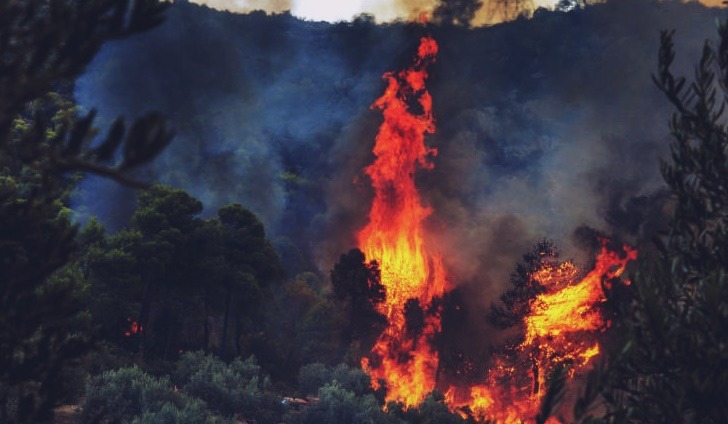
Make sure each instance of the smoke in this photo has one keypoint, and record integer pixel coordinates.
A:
(456, 12)
(466, 12)
(545, 126)
(245, 6)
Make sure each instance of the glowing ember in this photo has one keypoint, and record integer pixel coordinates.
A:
(394, 235)
(134, 328)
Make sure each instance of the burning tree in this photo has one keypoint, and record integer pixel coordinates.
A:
(516, 302)
(555, 306)
(359, 282)
(394, 236)
(528, 281)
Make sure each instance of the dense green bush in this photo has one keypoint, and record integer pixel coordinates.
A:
(131, 395)
(338, 405)
(432, 410)
(193, 414)
(228, 389)
(313, 377)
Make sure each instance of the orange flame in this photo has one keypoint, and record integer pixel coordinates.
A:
(134, 328)
(560, 330)
(558, 314)
(563, 323)
(394, 235)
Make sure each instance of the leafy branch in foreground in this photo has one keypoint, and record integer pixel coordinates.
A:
(46, 44)
(671, 362)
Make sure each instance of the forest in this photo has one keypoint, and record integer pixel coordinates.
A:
(184, 197)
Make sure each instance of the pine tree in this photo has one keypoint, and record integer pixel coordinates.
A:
(45, 44)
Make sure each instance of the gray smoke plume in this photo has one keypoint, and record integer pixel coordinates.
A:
(545, 125)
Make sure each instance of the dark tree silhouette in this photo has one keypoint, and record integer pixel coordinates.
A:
(44, 45)
(515, 302)
(414, 317)
(359, 282)
(671, 364)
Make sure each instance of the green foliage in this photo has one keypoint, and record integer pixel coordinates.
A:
(313, 377)
(343, 394)
(672, 362)
(41, 329)
(698, 170)
(43, 51)
(93, 234)
(45, 44)
(432, 410)
(194, 413)
(164, 212)
(228, 389)
(337, 405)
(247, 247)
(303, 325)
(320, 332)
(359, 283)
(130, 395)
(674, 365)
(190, 283)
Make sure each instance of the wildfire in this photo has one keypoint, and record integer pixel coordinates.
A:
(563, 322)
(562, 312)
(561, 329)
(394, 235)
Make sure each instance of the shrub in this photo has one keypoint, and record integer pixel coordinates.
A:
(227, 389)
(194, 413)
(313, 377)
(130, 395)
(338, 405)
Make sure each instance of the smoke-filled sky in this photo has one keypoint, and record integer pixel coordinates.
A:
(545, 126)
(341, 10)
(382, 10)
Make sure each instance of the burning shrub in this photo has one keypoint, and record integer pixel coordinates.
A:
(359, 282)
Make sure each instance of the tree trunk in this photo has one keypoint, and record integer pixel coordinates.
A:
(205, 322)
(228, 303)
(144, 317)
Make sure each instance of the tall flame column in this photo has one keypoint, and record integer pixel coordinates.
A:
(394, 235)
